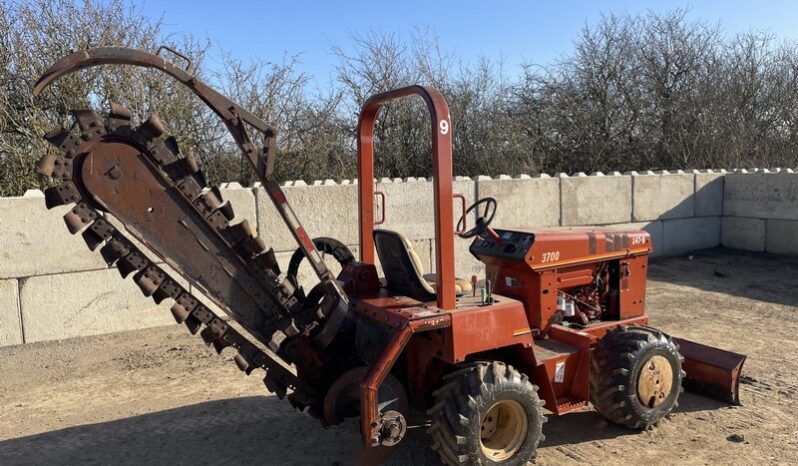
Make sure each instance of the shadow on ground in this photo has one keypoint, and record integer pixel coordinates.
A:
(257, 430)
(247, 430)
(760, 276)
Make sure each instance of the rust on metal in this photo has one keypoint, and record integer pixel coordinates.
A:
(711, 371)
(549, 299)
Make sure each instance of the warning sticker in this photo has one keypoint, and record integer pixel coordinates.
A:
(559, 372)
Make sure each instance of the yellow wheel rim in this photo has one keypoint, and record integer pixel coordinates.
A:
(655, 381)
(503, 430)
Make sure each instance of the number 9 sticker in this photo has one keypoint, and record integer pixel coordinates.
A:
(444, 127)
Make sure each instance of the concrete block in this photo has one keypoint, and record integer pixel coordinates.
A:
(763, 195)
(528, 202)
(782, 237)
(324, 210)
(596, 200)
(743, 233)
(10, 323)
(652, 228)
(681, 236)
(35, 241)
(86, 303)
(709, 194)
(465, 265)
(409, 206)
(243, 202)
(662, 196)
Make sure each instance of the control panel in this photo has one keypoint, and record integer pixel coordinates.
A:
(512, 245)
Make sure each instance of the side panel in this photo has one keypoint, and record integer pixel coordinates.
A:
(477, 329)
(633, 286)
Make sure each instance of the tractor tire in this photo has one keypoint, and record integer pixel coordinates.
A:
(635, 376)
(486, 413)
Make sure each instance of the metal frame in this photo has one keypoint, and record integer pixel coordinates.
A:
(441, 131)
(235, 119)
(233, 116)
(514, 318)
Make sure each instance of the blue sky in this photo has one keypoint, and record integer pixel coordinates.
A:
(517, 31)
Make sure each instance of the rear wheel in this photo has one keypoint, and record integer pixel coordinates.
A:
(635, 376)
(486, 414)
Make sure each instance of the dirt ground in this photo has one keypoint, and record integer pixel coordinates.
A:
(160, 396)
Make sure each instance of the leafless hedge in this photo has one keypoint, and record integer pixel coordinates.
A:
(636, 92)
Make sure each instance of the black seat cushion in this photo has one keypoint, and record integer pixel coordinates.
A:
(402, 274)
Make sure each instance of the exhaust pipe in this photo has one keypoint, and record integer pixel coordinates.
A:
(711, 372)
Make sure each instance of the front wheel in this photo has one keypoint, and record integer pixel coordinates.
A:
(486, 413)
(635, 376)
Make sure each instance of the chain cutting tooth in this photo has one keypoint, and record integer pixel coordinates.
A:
(46, 165)
(207, 203)
(180, 313)
(64, 140)
(149, 279)
(252, 246)
(97, 232)
(117, 247)
(171, 144)
(243, 363)
(130, 263)
(73, 222)
(193, 324)
(267, 260)
(168, 289)
(275, 386)
(124, 267)
(92, 239)
(88, 122)
(184, 305)
(161, 153)
(227, 210)
(207, 336)
(184, 167)
(65, 193)
(57, 136)
(212, 337)
(80, 216)
(238, 232)
(119, 112)
(150, 129)
(118, 119)
(190, 187)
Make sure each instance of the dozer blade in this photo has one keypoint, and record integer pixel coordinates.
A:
(711, 372)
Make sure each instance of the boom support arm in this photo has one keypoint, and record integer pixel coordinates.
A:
(235, 119)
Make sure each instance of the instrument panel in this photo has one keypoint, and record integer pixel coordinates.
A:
(512, 245)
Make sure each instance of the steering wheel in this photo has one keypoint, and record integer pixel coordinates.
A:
(483, 221)
(330, 246)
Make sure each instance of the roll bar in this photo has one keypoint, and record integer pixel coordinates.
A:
(441, 130)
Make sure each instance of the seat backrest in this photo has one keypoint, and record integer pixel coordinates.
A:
(402, 266)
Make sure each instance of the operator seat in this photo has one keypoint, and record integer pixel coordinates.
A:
(404, 272)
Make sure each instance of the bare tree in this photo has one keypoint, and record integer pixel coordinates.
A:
(637, 92)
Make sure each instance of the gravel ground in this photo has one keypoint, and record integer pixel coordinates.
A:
(159, 396)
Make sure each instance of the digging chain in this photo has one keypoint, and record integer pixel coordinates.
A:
(182, 173)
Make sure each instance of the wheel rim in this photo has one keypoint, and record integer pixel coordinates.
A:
(655, 381)
(503, 430)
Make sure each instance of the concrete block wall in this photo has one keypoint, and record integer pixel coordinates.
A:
(760, 211)
(52, 287)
